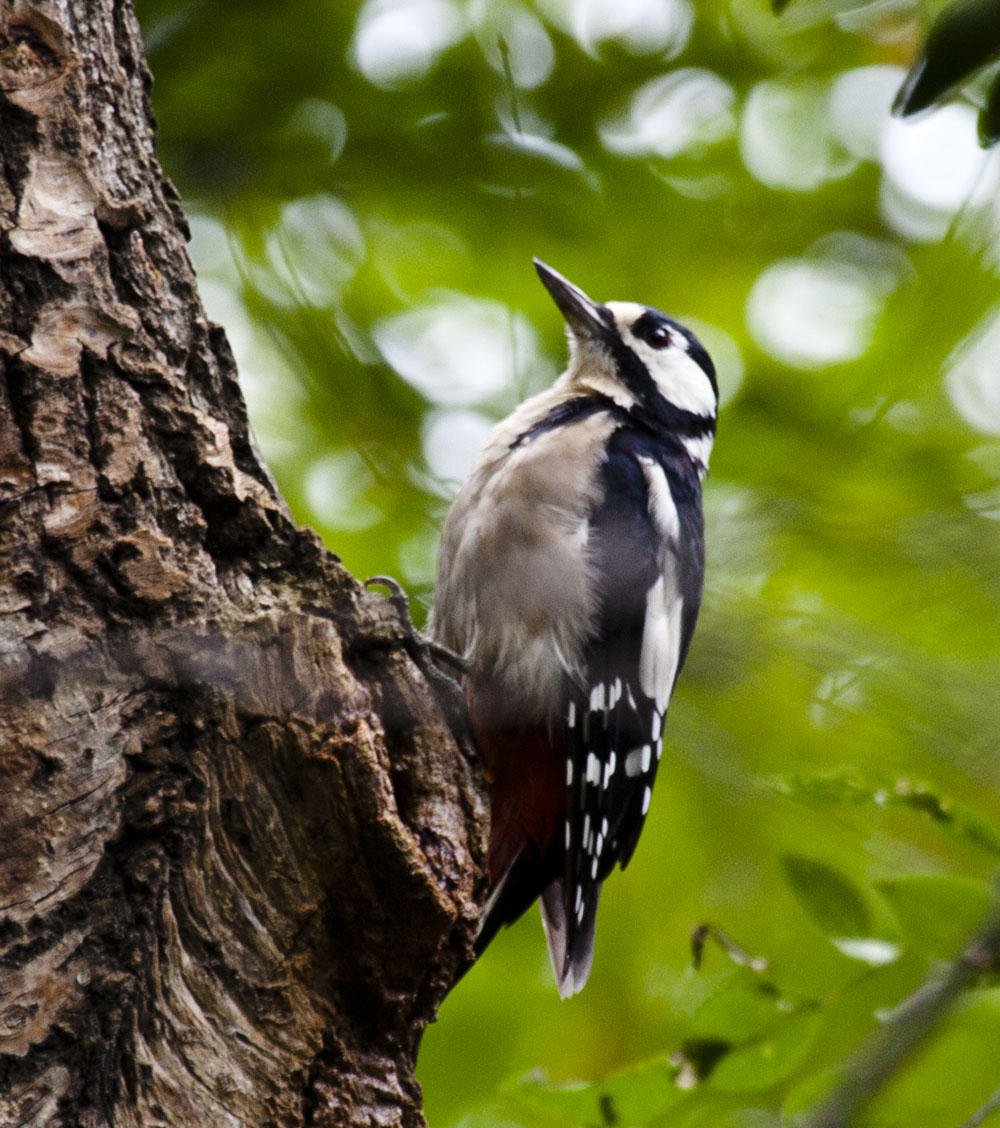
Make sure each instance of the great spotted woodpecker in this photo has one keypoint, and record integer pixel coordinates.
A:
(569, 579)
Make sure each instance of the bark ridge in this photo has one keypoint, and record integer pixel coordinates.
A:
(241, 828)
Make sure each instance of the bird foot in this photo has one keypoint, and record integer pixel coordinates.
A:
(417, 644)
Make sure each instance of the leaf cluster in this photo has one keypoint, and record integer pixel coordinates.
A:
(962, 42)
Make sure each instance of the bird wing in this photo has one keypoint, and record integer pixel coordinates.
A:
(647, 552)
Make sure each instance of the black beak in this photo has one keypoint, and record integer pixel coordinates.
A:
(582, 314)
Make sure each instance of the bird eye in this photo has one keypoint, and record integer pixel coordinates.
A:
(659, 337)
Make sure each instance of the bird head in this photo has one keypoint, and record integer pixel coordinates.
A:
(646, 362)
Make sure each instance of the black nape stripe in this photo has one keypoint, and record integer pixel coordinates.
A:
(569, 411)
(699, 354)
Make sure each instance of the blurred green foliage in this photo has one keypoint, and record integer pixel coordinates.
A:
(367, 183)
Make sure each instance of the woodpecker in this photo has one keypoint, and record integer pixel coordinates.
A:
(569, 580)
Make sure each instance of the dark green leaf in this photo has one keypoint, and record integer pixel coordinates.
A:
(831, 900)
(964, 37)
(989, 116)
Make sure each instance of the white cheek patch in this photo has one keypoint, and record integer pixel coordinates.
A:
(681, 379)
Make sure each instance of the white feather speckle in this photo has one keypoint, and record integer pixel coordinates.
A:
(647, 795)
(571, 715)
(593, 768)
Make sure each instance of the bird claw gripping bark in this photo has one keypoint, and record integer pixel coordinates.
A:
(421, 648)
(429, 655)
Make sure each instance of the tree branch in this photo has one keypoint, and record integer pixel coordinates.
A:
(912, 1021)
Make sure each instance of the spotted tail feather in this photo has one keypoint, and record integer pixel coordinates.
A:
(571, 944)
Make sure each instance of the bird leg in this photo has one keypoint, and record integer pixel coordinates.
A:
(418, 645)
(427, 654)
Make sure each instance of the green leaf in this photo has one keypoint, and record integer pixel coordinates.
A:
(958, 819)
(640, 1095)
(936, 913)
(826, 789)
(574, 1101)
(953, 1073)
(771, 1059)
(989, 116)
(810, 1093)
(740, 1009)
(964, 37)
(839, 789)
(830, 899)
(635, 1096)
(507, 1113)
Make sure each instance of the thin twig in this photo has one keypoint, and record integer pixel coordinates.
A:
(981, 1114)
(508, 73)
(738, 955)
(911, 1022)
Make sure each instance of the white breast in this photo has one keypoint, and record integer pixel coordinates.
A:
(515, 580)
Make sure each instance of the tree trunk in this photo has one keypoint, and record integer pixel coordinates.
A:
(240, 828)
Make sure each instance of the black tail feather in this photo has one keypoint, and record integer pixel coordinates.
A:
(520, 886)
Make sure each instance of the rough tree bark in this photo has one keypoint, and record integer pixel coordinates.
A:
(240, 827)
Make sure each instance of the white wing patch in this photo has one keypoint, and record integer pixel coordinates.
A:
(661, 642)
(614, 728)
(661, 501)
(661, 635)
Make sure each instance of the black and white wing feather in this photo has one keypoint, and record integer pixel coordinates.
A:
(648, 555)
